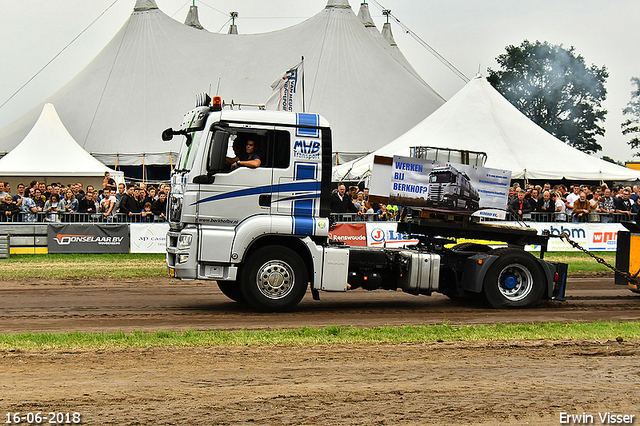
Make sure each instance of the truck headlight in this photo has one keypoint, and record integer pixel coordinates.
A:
(184, 241)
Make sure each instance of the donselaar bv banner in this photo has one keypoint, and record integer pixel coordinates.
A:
(442, 186)
(88, 238)
(288, 91)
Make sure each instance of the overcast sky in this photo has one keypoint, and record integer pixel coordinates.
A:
(469, 34)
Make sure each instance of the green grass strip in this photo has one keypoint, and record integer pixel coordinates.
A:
(321, 336)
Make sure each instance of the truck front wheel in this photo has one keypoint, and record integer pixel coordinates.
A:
(231, 289)
(515, 280)
(274, 279)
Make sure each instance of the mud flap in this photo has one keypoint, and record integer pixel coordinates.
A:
(560, 284)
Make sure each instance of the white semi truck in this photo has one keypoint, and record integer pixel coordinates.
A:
(262, 233)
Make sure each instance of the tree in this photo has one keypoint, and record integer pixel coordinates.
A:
(554, 88)
(632, 125)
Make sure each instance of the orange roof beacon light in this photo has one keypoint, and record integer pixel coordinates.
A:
(216, 105)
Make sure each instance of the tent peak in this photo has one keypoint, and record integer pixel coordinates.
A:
(145, 5)
(365, 16)
(388, 34)
(192, 18)
(342, 4)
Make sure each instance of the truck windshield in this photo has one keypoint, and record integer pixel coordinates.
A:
(442, 177)
(188, 153)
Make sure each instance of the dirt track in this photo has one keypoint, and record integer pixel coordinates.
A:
(513, 383)
(168, 304)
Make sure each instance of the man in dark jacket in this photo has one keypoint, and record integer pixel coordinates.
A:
(128, 204)
(159, 207)
(341, 202)
(519, 205)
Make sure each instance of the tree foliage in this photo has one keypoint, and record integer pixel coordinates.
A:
(631, 126)
(554, 88)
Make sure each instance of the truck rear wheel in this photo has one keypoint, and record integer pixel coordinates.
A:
(515, 280)
(231, 289)
(274, 279)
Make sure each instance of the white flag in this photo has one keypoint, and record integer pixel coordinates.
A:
(288, 91)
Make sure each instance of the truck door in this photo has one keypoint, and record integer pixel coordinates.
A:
(234, 194)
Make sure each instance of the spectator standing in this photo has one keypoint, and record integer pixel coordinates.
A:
(28, 208)
(635, 196)
(87, 205)
(159, 206)
(581, 208)
(9, 211)
(52, 208)
(382, 214)
(606, 207)
(108, 182)
(519, 205)
(37, 199)
(3, 193)
(560, 212)
(623, 204)
(69, 204)
(17, 199)
(546, 204)
(341, 202)
(534, 200)
(146, 214)
(571, 198)
(128, 203)
(107, 205)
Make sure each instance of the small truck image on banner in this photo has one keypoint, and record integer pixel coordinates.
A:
(435, 185)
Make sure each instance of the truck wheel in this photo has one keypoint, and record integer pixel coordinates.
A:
(274, 279)
(514, 280)
(231, 289)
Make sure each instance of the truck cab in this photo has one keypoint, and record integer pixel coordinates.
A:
(220, 213)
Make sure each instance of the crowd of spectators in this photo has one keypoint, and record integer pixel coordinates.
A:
(355, 204)
(54, 202)
(579, 203)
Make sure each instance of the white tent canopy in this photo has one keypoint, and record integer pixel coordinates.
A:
(147, 77)
(478, 118)
(49, 151)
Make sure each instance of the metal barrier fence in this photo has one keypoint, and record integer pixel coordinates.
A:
(41, 217)
(527, 217)
(593, 217)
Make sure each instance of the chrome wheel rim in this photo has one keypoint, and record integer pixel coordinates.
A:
(515, 282)
(275, 279)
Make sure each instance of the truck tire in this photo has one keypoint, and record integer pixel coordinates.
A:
(231, 289)
(274, 279)
(515, 280)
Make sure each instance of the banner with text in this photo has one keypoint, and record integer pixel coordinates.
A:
(417, 182)
(149, 237)
(353, 234)
(88, 238)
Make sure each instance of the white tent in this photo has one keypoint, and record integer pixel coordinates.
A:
(50, 153)
(147, 77)
(478, 118)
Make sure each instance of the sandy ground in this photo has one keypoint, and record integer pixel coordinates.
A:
(496, 383)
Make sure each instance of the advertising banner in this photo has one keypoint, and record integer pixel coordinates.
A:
(88, 238)
(592, 236)
(353, 234)
(448, 187)
(385, 234)
(149, 237)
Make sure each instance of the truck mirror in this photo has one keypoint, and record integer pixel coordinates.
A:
(217, 151)
(167, 135)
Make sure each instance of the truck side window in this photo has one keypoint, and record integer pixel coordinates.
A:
(281, 149)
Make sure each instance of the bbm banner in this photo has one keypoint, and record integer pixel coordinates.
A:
(88, 238)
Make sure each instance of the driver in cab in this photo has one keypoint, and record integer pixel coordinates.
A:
(249, 157)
